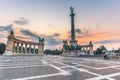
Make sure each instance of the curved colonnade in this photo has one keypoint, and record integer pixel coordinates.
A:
(16, 46)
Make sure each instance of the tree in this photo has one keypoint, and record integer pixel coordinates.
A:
(2, 48)
(53, 52)
(47, 51)
(103, 48)
(100, 50)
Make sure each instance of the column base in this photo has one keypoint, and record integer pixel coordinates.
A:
(8, 53)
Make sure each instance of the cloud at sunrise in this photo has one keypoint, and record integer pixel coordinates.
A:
(97, 21)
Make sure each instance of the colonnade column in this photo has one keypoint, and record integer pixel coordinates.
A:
(26, 48)
(17, 47)
(14, 47)
(34, 49)
(83, 49)
(30, 48)
(86, 50)
(22, 48)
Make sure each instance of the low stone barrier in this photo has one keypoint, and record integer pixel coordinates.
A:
(114, 57)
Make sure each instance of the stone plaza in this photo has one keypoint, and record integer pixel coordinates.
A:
(57, 68)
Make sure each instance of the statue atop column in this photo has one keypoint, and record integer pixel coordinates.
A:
(71, 8)
(41, 39)
(91, 43)
(11, 33)
(65, 42)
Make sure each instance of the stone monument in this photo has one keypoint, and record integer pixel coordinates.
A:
(73, 42)
(72, 48)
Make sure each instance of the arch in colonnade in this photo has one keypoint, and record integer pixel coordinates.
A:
(87, 49)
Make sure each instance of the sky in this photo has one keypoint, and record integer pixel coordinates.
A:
(95, 20)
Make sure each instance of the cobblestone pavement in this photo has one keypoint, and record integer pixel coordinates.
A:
(57, 68)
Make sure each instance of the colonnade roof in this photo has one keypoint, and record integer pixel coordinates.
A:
(26, 42)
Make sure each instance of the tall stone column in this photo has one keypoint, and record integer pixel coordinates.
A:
(73, 41)
(72, 25)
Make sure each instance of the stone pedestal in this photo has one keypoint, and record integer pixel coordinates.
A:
(8, 53)
(73, 43)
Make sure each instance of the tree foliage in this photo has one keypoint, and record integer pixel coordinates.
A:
(2, 48)
(100, 50)
(53, 52)
(117, 51)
